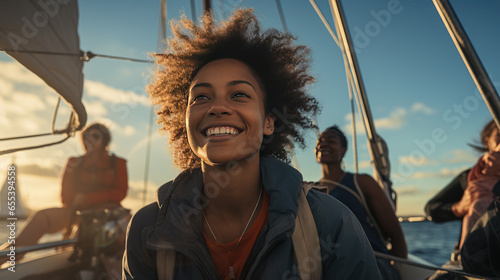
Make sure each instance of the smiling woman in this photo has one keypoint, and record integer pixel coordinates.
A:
(236, 101)
(233, 100)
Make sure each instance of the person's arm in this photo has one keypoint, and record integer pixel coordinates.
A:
(68, 182)
(439, 208)
(385, 217)
(115, 194)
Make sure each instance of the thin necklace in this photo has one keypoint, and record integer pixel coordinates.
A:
(231, 270)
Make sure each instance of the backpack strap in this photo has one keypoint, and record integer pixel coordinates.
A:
(165, 259)
(305, 239)
(165, 264)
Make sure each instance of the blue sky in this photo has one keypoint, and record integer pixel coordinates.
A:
(413, 75)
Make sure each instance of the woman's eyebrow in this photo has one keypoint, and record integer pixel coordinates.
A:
(201, 85)
(237, 82)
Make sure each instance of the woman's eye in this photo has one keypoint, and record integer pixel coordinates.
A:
(200, 97)
(239, 94)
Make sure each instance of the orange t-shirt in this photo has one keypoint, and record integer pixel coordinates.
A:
(223, 257)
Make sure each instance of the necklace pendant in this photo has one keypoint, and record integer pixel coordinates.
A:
(231, 272)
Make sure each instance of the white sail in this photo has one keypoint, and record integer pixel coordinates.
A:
(11, 202)
(43, 36)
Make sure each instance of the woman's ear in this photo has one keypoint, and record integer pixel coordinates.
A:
(269, 124)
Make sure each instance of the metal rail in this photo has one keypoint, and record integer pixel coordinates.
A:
(39, 247)
(470, 57)
(377, 152)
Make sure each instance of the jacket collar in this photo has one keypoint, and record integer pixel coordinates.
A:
(180, 202)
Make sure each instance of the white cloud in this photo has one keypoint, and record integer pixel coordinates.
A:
(416, 161)
(134, 199)
(395, 120)
(44, 167)
(461, 156)
(129, 130)
(6, 87)
(29, 102)
(365, 164)
(16, 73)
(347, 128)
(443, 173)
(95, 109)
(407, 190)
(421, 107)
(114, 95)
(114, 127)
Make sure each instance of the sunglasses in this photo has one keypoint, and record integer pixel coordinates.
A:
(94, 136)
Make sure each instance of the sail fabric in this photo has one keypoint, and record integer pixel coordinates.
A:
(47, 26)
(11, 203)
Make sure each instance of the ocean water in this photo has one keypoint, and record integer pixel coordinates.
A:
(430, 241)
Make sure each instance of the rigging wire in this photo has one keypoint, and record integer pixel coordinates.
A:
(325, 22)
(85, 56)
(282, 16)
(162, 37)
(353, 90)
(350, 83)
(295, 162)
(4, 152)
(55, 114)
(193, 11)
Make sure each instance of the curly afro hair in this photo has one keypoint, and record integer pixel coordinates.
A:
(281, 68)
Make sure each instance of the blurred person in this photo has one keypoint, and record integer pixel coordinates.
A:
(91, 181)
(352, 190)
(457, 198)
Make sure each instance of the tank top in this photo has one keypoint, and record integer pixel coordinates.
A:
(359, 211)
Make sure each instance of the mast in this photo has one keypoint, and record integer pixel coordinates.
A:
(206, 5)
(470, 57)
(378, 150)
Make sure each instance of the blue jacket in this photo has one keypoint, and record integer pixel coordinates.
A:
(174, 223)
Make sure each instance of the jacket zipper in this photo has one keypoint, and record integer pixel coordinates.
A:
(257, 255)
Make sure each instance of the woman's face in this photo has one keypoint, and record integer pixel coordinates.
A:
(493, 140)
(329, 149)
(93, 141)
(225, 116)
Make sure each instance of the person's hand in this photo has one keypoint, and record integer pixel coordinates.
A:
(471, 193)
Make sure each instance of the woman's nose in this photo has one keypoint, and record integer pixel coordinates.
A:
(220, 107)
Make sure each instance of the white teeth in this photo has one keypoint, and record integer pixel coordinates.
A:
(221, 131)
